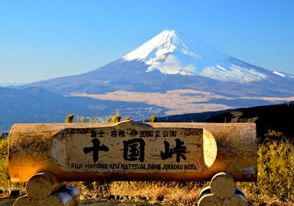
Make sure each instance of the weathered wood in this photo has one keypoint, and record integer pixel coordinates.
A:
(222, 188)
(205, 191)
(67, 151)
(240, 192)
(236, 200)
(66, 196)
(42, 185)
(223, 185)
(209, 200)
(26, 201)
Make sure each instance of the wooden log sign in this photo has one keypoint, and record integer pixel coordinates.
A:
(133, 151)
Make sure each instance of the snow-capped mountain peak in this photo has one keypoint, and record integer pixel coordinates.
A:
(168, 53)
(163, 43)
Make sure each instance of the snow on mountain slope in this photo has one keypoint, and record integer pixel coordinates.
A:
(282, 74)
(167, 53)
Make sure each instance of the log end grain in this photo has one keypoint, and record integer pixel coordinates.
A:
(223, 185)
(209, 200)
(42, 185)
(26, 201)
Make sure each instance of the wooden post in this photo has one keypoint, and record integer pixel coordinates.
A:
(132, 151)
(164, 151)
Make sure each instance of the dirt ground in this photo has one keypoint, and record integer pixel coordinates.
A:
(9, 202)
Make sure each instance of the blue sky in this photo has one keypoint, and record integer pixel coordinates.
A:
(45, 39)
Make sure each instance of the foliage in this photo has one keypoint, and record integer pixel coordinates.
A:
(81, 119)
(273, 135)
(128, 118)
(275, 169)
(153, 118)
(108, 119)
(4, 176)
(69, 118)
(116, 118)
(93, 119)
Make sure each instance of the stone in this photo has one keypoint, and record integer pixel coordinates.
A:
(42, 185)
(133, 151)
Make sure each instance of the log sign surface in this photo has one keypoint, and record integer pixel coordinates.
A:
(132, 151)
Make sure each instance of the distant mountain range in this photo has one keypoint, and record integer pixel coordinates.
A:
(34, 105)
(274, 117)
(168, 75)
(267, 118)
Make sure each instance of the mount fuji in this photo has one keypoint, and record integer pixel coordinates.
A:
(167, 53)
(179, 74)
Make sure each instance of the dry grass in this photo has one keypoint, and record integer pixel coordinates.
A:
(176, 101)
(173, 194)
(275, 185)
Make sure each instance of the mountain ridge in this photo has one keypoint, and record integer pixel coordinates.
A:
(156, 75)
(138, 71)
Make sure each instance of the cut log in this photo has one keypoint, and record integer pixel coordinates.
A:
(26, 201)
(209, 200)
(42, 185)
(223, 185)
(237, 200)
(66, 196)
(75, 151)
(239, 192)
(205, 191)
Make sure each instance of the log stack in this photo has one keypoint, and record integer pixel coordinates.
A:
(222, 192)
(44, 189)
